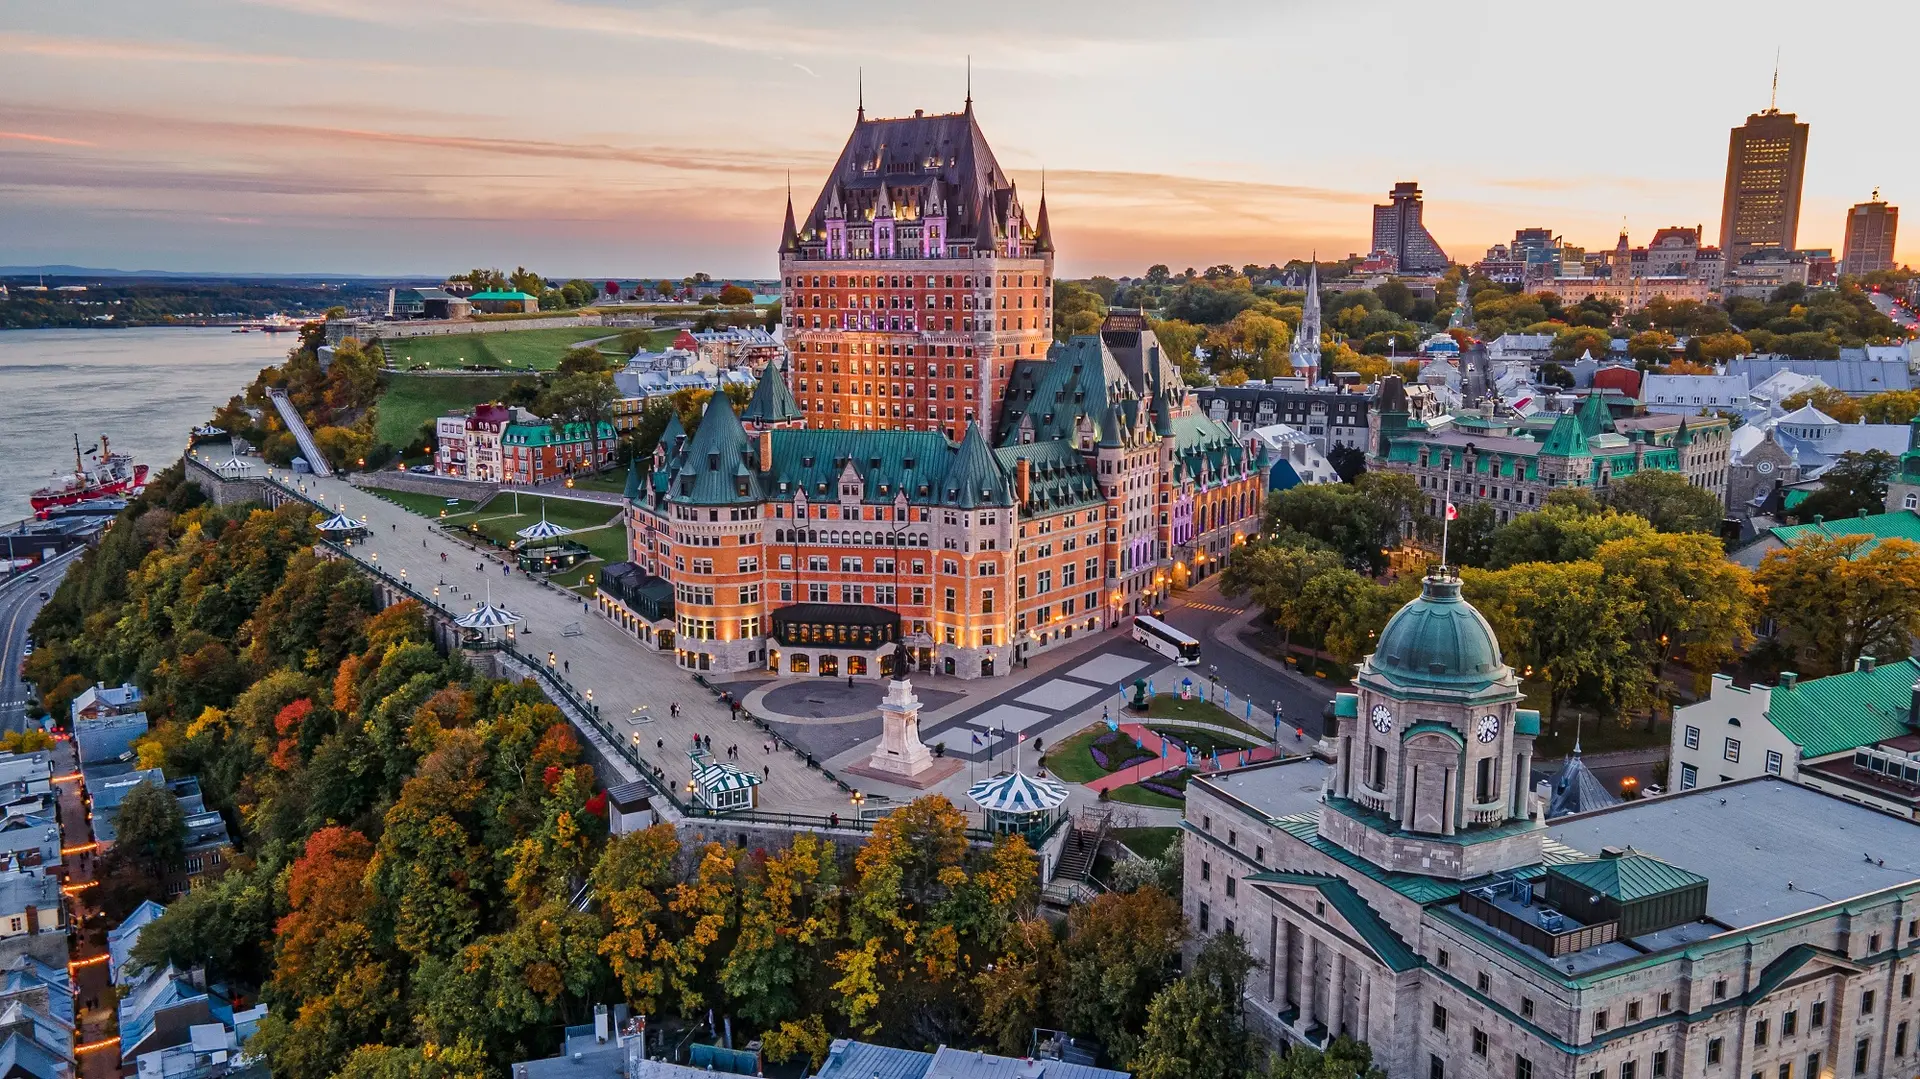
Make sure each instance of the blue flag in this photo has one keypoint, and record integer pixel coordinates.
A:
(1216, 756)
(1112, 725)
(1249, 707)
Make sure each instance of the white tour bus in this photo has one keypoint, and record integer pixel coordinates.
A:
(1166, 640)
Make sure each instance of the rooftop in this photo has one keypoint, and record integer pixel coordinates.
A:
(1278, 788)
(1768, 848)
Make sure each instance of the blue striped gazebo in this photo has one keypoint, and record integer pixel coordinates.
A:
(1016, 802)
(722, 786)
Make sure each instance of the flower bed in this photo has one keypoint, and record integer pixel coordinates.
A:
(1168, 784)
(1115, 752)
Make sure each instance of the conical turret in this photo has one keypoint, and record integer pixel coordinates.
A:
(1042, 231)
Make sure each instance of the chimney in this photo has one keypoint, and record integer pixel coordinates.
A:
(1023, 481)
(766, 450)
(1788, 679)
(1864, 664)
(600, 1031)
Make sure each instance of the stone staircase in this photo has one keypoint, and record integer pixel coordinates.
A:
(1072, 879)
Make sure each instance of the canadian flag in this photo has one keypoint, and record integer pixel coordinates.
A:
(1451, 512)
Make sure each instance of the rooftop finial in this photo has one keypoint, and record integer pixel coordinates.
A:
(860, 91)
(1773, 97)
(969, 82)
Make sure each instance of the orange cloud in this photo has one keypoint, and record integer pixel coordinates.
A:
(24, 136)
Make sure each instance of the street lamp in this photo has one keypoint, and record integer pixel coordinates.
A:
(552, 661)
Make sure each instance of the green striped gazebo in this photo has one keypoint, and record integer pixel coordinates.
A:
(1017, 802)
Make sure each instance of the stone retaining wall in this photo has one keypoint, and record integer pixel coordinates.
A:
(416, 483)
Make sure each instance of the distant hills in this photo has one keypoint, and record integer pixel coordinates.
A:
(63, 270)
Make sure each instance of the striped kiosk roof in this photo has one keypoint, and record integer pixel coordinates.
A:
(1017, 792)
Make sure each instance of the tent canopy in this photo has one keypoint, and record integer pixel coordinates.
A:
(1017, 792)
(340, 522)
(488, 615)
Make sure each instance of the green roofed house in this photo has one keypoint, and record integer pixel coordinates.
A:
(1893, 524)
(1414, 893)
(498, 302)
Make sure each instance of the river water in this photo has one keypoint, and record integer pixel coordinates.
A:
(144, 388)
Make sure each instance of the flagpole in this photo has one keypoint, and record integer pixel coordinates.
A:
(1446, 520)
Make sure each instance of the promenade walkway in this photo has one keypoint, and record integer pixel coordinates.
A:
(635, 686)
(1174, 758)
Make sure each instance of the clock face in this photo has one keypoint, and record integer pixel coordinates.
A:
(1487, 728)
(1382, 718)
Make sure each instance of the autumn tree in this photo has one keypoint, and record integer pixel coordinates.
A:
(1834, 403)
(1561, 533)
(789, 920)
(1017, 991)
(1691, 598)
(1838, 598)
(1567, 625)
(912, 863)
(633, 872)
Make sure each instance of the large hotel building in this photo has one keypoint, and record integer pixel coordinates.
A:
(940, 472)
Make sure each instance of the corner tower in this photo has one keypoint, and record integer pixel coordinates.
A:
(1434, 753)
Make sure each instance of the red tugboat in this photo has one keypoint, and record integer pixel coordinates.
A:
(113, 475)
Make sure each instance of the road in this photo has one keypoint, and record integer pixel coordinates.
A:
(1894, 311)
(19, 602)
(1200, 611)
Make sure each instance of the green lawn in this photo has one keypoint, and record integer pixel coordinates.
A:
(422, 504)
(1069, 761)
(1135, 794)
(1170, 706)
(506, 350)
(407, 401)
(565, 512)
(612, 481)
(1146, 842)
(607, 544)
(1202, 741)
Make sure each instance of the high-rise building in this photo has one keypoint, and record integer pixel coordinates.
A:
(1870, 229)
(1766, 161)
(1398, 231)
(915, 282)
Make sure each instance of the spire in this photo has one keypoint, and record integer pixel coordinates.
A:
(772, 402)
(969, 108)
(1042, 232)
(633, 480)
(789, 236)
(860, 91)
(1773, 96)
(974, 478)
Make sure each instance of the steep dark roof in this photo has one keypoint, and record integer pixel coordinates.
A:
(1078, 379)
(975, 479)
(789, 236)
(772, 401)
(1059, 478)
(915, 164)
(717, 460)
(1042, 231)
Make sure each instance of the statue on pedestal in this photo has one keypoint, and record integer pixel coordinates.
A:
(900, 751)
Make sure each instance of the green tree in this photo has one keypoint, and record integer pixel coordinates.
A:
(1721, 347)
(1017, 989)
(1569, 626)
(151, 829)
(1668, 500)
(1854, 484)
(1253, 342)
(1470, 537)
(217, 925)
(583, 360)
(1196, 1028)
(1651, 346)
(1838, 598)
(1561, 533)
(789, 917)
(1574, 341)
(1120, 950)
(1343, 1059)
(524, 280)
(1691, 598)
(1274, 575)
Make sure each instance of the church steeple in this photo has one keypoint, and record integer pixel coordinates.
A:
(789, 236)
(1305, 355)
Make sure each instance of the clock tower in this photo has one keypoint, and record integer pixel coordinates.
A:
(1434, 755)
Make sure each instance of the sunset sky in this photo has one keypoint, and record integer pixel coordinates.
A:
(627, 138)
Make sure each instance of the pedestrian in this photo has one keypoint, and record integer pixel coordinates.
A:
(567, 664)
(766, 771)
(768, 747)
(673, 709)
(660, 744)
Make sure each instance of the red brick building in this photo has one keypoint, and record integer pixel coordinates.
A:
(915, 281)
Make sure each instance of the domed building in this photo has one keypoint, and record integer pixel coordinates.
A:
(1406, 888)
(1433, 776)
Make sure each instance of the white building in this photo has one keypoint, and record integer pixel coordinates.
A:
(1689, 395)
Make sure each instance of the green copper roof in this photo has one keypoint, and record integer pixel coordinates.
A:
(633, 479)
(1567, 439)
(716, 468)
(1079, 380)
(1365, 921)
(1438, 641)
(551, 434)
(1059, 478)
(772, 401)
(1845, 711)
(1526, 721)
(1595, 419)
(1628, 877)
(1432, 726)
(974, 478)
(1900, 524)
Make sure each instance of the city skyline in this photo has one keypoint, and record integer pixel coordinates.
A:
(577, 138)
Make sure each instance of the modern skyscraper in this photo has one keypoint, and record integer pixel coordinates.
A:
(1766, 161)
(1870, 229)
(1398, 231)
(915, 282)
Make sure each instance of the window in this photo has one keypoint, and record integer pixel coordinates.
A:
(1720, 989)
(1479, 1042)
(1206, 870)
(1693, 737)
(1873, 943)
(1600, 1021)
(1790, 1024)
(1483, 983)
(1786, 1070)
(1817, 1015)
(1714, 1048)
(1231, 881)
(1522, 1068)
(1861, 1049)
(1813, 1066)
(1773, 762)
(1759, 1032)
(1732, 750)
(1629, 1069)
(1440, 959)
(1633, 1011)
(1439, 1018)
(1866, 1002)
(1204, 917)
(1666, 1002)
(1436, 1068)
(1659, 1068)
(15, 925)
(1526, 1007)
(1689, 777)
(1900, 1039)
(1906, 986)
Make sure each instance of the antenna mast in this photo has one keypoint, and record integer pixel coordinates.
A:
(1773, 97)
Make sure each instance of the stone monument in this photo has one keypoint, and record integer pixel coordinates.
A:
(900, 752)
